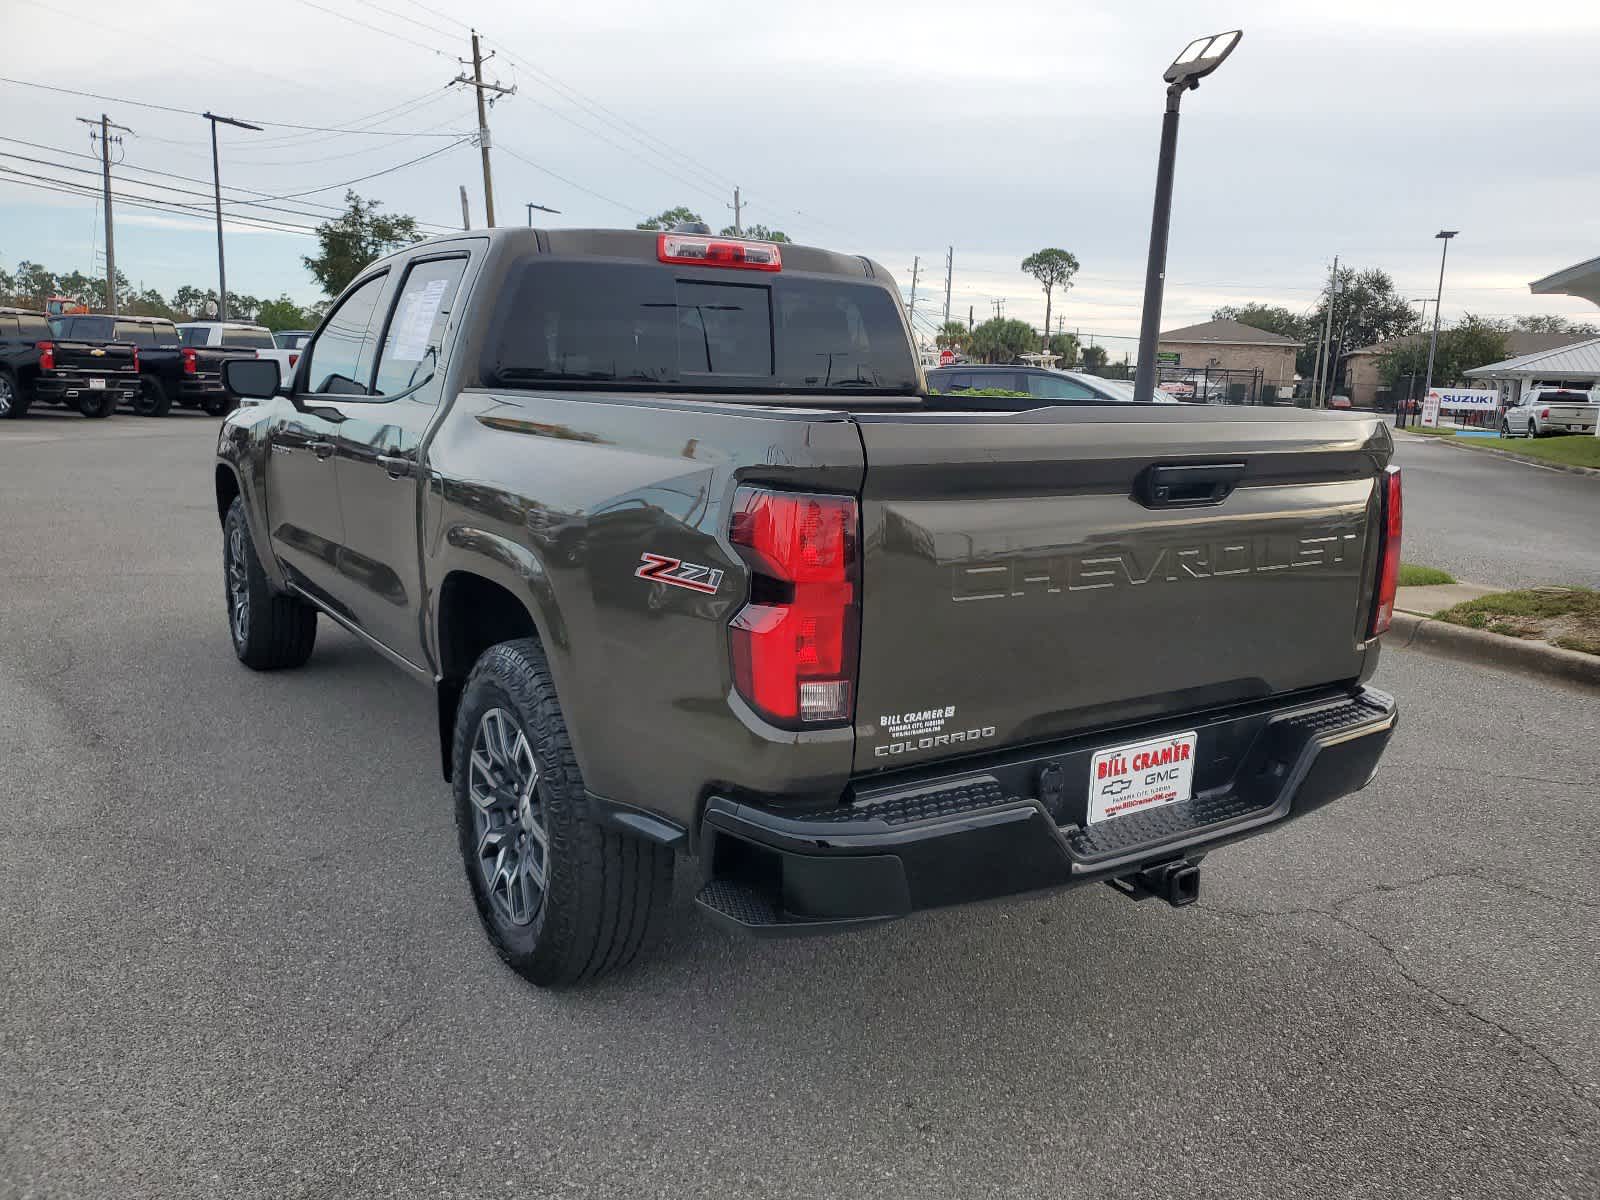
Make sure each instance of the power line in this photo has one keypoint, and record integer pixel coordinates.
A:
(189, 112)
(521, 158)
(460, 141)
(24, 179)
(400, 37)
(389, 12)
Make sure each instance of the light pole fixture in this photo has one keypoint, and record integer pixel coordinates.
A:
(216, 182)
(541, 208)
(1433, 342)
(1199, 58)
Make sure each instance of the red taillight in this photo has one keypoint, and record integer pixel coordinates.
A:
(190, 365)
(293, 358)
(47, 356)
(718, 252)
(1389, 526)
(1544, 414)
(136, 358)
(794, 644)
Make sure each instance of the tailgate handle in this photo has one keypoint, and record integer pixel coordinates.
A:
(1188, 485)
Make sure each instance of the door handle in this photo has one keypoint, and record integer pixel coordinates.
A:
(1188, 486)
(321, 449)
(398, 465)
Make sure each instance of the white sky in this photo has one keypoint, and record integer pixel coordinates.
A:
(891, 130)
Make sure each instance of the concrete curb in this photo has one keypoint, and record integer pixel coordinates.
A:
(1511, 454)
(1415, 632)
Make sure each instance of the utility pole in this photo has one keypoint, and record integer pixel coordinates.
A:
(916, 267)
(479, 87)
(969, 318)
(106, 126)
(999, 306)
(216, 181)
(466, 213)
(949, 273)
(738, 215)
(1327, 331)
(541, 208)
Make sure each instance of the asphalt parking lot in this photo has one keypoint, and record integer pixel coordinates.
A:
(238, 957)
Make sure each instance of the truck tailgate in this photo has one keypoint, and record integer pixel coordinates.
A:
(1021, 583)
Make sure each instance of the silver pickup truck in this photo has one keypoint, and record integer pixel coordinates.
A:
(1550, 410)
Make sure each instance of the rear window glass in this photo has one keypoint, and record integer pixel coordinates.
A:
(607, 323)
(255, 339)
(195, 335)
(141, 333)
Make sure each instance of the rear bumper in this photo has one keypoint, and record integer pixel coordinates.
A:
(60, 388)
(1017, 825)
(200, 387)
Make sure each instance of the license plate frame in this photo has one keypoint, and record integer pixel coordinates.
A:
(97, 385)
(1141, 776)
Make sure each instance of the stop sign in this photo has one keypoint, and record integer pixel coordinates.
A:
(946, 357)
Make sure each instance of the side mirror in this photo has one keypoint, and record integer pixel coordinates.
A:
(251, 378)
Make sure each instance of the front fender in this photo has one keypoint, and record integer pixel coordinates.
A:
(242, 448)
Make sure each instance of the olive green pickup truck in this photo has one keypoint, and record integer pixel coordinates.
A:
(698, 569)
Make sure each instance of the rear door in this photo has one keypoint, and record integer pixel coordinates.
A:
(1020, 584)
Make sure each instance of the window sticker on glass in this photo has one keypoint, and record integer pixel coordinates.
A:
(415, 322)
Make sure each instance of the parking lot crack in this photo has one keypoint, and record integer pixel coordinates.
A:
(377, 1047)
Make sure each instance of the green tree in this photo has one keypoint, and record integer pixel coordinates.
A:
(1471, 342)
(148, 303)
(282, 313)
(1094, 358)
(242, 307)
(8, 285)
(951, 335)
(673, 216)
(1273, 318)
(1367, 310)
(357, 238)
(1554, 323)
(1001, 340)
(1053, 269)
(756, 233)
(33, 283)
(1066, 345)
(191, 304)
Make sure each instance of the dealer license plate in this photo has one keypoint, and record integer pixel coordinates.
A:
(97, 385)
(1141, 776)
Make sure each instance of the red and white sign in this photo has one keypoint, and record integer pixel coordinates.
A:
(1430, 409)
(1137, 778)
(946, 357)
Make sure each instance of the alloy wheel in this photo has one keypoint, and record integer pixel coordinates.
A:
(238, 586)
(508, 817)
(7, 395)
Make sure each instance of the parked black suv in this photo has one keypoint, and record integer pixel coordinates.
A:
(91, 378)
(171, 371)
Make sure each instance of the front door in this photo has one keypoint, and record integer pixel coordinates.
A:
(380, 478)
(308, 531)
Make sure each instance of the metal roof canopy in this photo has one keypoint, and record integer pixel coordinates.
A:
(1577, 361)
(1582, 280)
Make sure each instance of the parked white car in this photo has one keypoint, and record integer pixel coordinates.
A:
(238, 335)
(1550, 410)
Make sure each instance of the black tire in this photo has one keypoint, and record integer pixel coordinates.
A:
(276, 631)
(1505, 428)
(14, 400)
(153, 400)
(604, 894)
(97, 405)
(217, 406)
(1533, 428)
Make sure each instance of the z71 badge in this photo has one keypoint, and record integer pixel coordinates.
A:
(662, 569)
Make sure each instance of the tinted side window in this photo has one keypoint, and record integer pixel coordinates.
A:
(345, 342)
(8, 327)
(984, 380)
(195, 337)
(1052, 387)
(411, 346)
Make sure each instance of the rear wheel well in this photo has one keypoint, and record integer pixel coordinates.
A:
(227, 491)
(474, 614)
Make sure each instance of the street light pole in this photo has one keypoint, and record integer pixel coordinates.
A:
(1445, 235)
(1199, 58)
(541, 208)
(216, 183)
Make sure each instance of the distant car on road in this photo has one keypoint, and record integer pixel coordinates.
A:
(1551, 410)
(292, 339)
(1043, 382)
(1338, 401)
